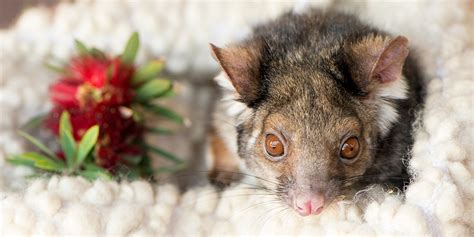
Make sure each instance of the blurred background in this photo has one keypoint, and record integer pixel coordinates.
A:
(11, 9)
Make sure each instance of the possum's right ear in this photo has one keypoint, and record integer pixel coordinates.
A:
(241, 66)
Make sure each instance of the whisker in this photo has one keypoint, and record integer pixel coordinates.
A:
(271, 213)
(182, 176)
(248, 175)
(394, 177)
(242, 182)
(206, 197)
(206, 172)
(258, 204)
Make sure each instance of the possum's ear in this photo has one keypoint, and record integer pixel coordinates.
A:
(379, 67)
(241, 67)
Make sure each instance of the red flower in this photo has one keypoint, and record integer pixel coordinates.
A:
(97, 90)
(90, 69)
(92, 80)
(64, 93)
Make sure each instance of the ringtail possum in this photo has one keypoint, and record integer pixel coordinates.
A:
(316, 106)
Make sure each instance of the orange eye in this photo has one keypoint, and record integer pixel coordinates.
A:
(274, 146)
(350, 148)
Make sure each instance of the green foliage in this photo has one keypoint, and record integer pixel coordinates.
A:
(80, 156)
(165, 154)
(131, 49)
(147, 72)
(39, 161)
(75, 153)
(81, 47)
(66, 139)
(54, 67)
(88, 142)
(152, 89)
(34, 122)
(164, 112)
(37, 143)
(159, 131)
(92, 172)
(83, 50)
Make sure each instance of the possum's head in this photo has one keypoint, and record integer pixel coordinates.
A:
(308, 122)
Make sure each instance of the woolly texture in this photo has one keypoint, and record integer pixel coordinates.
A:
(439, 202)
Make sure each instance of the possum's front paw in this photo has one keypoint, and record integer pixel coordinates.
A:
(222, 178)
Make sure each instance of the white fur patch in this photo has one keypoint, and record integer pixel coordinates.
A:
(387, 112)
(234, 108)
(224, 82)
(253, 139)
(387, 116)
(396, 89)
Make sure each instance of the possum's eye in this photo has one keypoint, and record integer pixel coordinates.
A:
(350, 148)
(274, 146)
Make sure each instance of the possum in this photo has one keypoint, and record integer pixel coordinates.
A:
(315, 106)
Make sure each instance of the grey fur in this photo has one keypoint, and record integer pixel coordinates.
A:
(312, 89)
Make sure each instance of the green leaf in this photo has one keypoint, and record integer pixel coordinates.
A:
(137, 117)
(86, 144)
(92, 166)
(92, 172)
(167, 94)
(97, 53)
(165, 169)
(165, 112)
(152, 89)
(55, 68)
(68, 145)
(37, 161)
(66, 140)
(38, 144)
(165, 154)
(65, 122)
(17, 161)
(39, 175)
(131, 49)
(159, 131)
(81, 47)
(147, 72)
(133, 160)
(145, 164)
(128, 172)
(133, 174)
(34, 122)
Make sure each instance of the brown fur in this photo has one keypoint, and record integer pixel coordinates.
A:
(315, 80)
(225, 165)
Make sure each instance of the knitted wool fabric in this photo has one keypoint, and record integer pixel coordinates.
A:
(438, 202)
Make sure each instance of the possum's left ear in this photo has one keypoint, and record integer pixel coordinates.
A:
(377, 69)
(379, 66)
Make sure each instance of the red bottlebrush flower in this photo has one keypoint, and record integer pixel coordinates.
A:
(121, 74)
(93, 92)
(93, 80)
(90, 69)
(64, 93)
(97, 116)
(118, 131)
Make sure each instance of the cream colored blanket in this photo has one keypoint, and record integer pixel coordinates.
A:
(438, 202)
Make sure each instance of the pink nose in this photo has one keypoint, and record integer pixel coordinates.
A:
(309, 206)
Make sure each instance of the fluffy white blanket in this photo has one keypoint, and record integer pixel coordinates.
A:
(438, 202)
